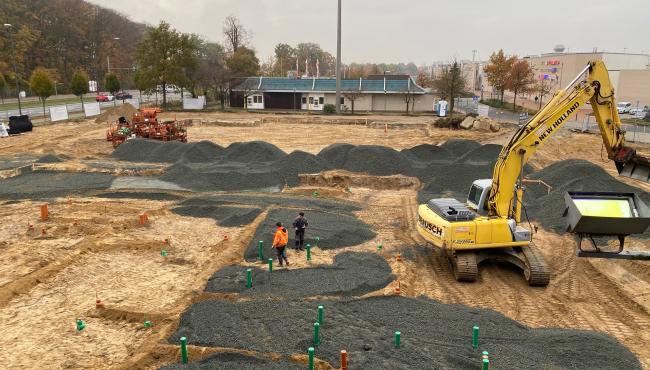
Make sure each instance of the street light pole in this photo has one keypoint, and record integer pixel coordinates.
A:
(338, 59)
(13, 49)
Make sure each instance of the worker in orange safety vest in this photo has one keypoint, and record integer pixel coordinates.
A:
(280, 241)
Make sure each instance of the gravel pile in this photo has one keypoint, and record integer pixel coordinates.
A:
(376, 160)
(569, 175)
(234, 360)
(46, 184)
(140, 195)
(484, 154)
(225, 176)
(254, 151)
(459, 147)
(335, 230)
(336, 154)
(203, 151)
(428, 153)
(299, 162)
(226, 216)
(296, 202)
(50, 158)
(434, 335)
(352, 274)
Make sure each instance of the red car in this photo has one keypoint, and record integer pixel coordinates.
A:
(104, 97)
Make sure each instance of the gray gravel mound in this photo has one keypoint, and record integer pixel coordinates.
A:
(281, 200)
(254, 151)
(226, 216)
(434, 335)
(138, 150)
(428, 153)
(46, 184)
(484, 154)
(352, 274)
(298, 162)
(234, 360)
(459, 147)
(336, 154)
(50, 158)
(203, 151)
(139, 195)
(376, 160)
(224, 176)
(569, 175)
(453, 180)
(334, 230)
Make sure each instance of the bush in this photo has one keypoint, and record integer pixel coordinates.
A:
(329, 109)
(448, 122)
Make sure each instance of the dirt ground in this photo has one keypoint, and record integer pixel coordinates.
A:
(93, 248)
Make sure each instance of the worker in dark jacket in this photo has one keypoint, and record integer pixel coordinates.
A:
(280, 240)
(300, 224)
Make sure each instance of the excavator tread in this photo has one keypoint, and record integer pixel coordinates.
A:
(537, 271)
(465, 266)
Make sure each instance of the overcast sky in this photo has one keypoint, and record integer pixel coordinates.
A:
(421, 31)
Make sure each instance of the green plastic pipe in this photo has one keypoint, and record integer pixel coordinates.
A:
(80, 325)
(485, 354)
(308, 252)
(249, 278)
(184, 350)
(317, 240)
(163, 253)
(270, 264)
(379, 246)
(486, 364)
(316, 333)
(310, 352)
(147, 324)
(398, 339)
(260, 250)
(320, 315)
(475, 337)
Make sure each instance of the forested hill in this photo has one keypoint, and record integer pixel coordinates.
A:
(63, 36)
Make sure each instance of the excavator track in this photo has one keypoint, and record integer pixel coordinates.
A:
(465, 266)
(537, 272)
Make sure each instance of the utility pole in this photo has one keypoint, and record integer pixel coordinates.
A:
(13, 49)
(338, 59)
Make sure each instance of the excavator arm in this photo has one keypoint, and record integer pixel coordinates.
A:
(591, 85)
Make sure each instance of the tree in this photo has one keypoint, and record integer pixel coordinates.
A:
(285, 59)
(167, 56)
(424, 80)
(235, 34)
(213, 71)
(243, 62)
(520, 78)
(112, 84)
(352, 96)
(79, 85)
(498, 71)
(542, 88)
(42, 85)
(3, 85)
(144, 81)
(451, 84)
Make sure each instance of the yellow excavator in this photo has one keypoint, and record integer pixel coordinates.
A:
(488, 226)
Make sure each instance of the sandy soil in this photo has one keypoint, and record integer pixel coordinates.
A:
(94, 247)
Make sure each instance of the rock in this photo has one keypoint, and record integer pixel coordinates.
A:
(495, 126)
(481, 125)
(467, 123)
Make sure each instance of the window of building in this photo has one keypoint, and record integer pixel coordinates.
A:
(250, 100)
(257, 99)
(321, 100)
(311, 100)
(304, 100)
(342, 100)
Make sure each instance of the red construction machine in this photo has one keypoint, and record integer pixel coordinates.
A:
(145, 124)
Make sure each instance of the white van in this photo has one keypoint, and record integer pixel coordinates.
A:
(624, 107)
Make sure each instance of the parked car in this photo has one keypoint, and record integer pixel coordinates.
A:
(123, 95)
(647, 117)
(638, 111)
(624, 107)
(102, 97)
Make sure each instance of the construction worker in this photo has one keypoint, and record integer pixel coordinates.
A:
(300, 224)
(280, 241)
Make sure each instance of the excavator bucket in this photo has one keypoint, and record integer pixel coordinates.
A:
(631, 164)
(602, 215)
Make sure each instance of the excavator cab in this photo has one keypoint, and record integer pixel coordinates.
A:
(478, 196)
(601, 216)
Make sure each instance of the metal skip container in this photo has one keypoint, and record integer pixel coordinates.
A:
(606, 214)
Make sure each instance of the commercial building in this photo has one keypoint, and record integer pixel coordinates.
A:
(629, 73)
(374, 94)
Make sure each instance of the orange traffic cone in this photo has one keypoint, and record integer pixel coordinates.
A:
(399, 257)
(397, 289)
